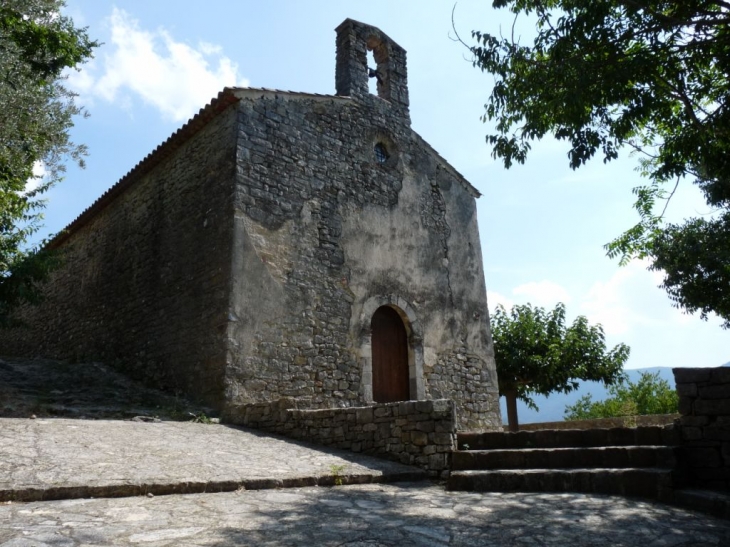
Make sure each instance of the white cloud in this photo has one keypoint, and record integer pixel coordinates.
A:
(629, 299)
(494, 299)
(542, 293)
(172, 76)
(538, 293)
(39, 171)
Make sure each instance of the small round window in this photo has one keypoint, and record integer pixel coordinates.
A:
(381, 153)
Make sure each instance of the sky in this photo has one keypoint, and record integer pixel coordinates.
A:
(542, 225)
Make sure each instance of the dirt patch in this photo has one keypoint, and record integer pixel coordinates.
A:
(45, 388)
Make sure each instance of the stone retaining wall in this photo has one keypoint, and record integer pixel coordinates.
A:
(704, 403)
(419, 433)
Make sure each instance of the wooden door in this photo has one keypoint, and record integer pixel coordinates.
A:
(390, 357)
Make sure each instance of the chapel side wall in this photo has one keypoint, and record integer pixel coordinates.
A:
(322, 229)
(144, 284)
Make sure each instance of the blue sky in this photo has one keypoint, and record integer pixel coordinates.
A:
(542, 225)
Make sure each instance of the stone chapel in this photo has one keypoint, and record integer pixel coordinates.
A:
(284, 244)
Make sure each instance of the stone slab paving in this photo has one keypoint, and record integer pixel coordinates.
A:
(62, 458)
(400, 514)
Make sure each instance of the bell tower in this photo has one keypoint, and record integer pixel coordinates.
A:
(354, 40)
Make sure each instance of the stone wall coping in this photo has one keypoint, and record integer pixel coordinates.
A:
(634, 421)
(421, 433)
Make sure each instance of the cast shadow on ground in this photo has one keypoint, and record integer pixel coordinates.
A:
(406, 514)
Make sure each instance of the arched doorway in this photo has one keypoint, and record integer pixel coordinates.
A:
(389, 344)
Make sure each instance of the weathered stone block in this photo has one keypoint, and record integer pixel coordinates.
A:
(721, 375)
(424, 407)
(691, 375)
(444, 427)
(419, 438)
(712, 407)
(365, 415)
(691, 433)
(686, 406)
(694, 421)
(716, 391)
(437, 461)
(382, 411)
(442, 405)
(703, 457)
(687, 390)
(443, 438)
(405, 408)
(717, 432)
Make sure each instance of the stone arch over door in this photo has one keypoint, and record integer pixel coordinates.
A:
(414, 344)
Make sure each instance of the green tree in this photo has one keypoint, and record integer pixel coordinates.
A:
(649, 76)
(536, 353)
(649, 395)
(36, 44)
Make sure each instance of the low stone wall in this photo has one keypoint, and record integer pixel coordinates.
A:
(419, 433)
(603, 423)
(704, 403)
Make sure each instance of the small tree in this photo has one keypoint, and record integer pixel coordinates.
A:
(537, 354)
(649, 395)
(36, 113)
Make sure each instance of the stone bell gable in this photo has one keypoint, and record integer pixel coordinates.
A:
(285, 244)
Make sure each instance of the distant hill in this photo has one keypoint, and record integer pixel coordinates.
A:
(552, 408)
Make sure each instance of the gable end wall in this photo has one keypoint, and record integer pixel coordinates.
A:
(321, 230)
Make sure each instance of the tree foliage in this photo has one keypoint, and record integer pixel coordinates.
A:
(649, 395)
(650, 76)
(537, 353)
(36, 112)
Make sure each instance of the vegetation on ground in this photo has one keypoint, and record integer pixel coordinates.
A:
(650, 394)
(37, 43)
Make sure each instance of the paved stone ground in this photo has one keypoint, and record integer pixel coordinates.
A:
(63, 458)
(360, 515)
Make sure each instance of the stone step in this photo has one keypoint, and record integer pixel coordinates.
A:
(561, 458)
(570, 438)
(654, 483)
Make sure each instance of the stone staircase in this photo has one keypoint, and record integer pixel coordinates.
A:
(625, 461)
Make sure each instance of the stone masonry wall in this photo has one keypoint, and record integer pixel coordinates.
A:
(419, 433)
(322, 228)
(704, 405)
(144, 285)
